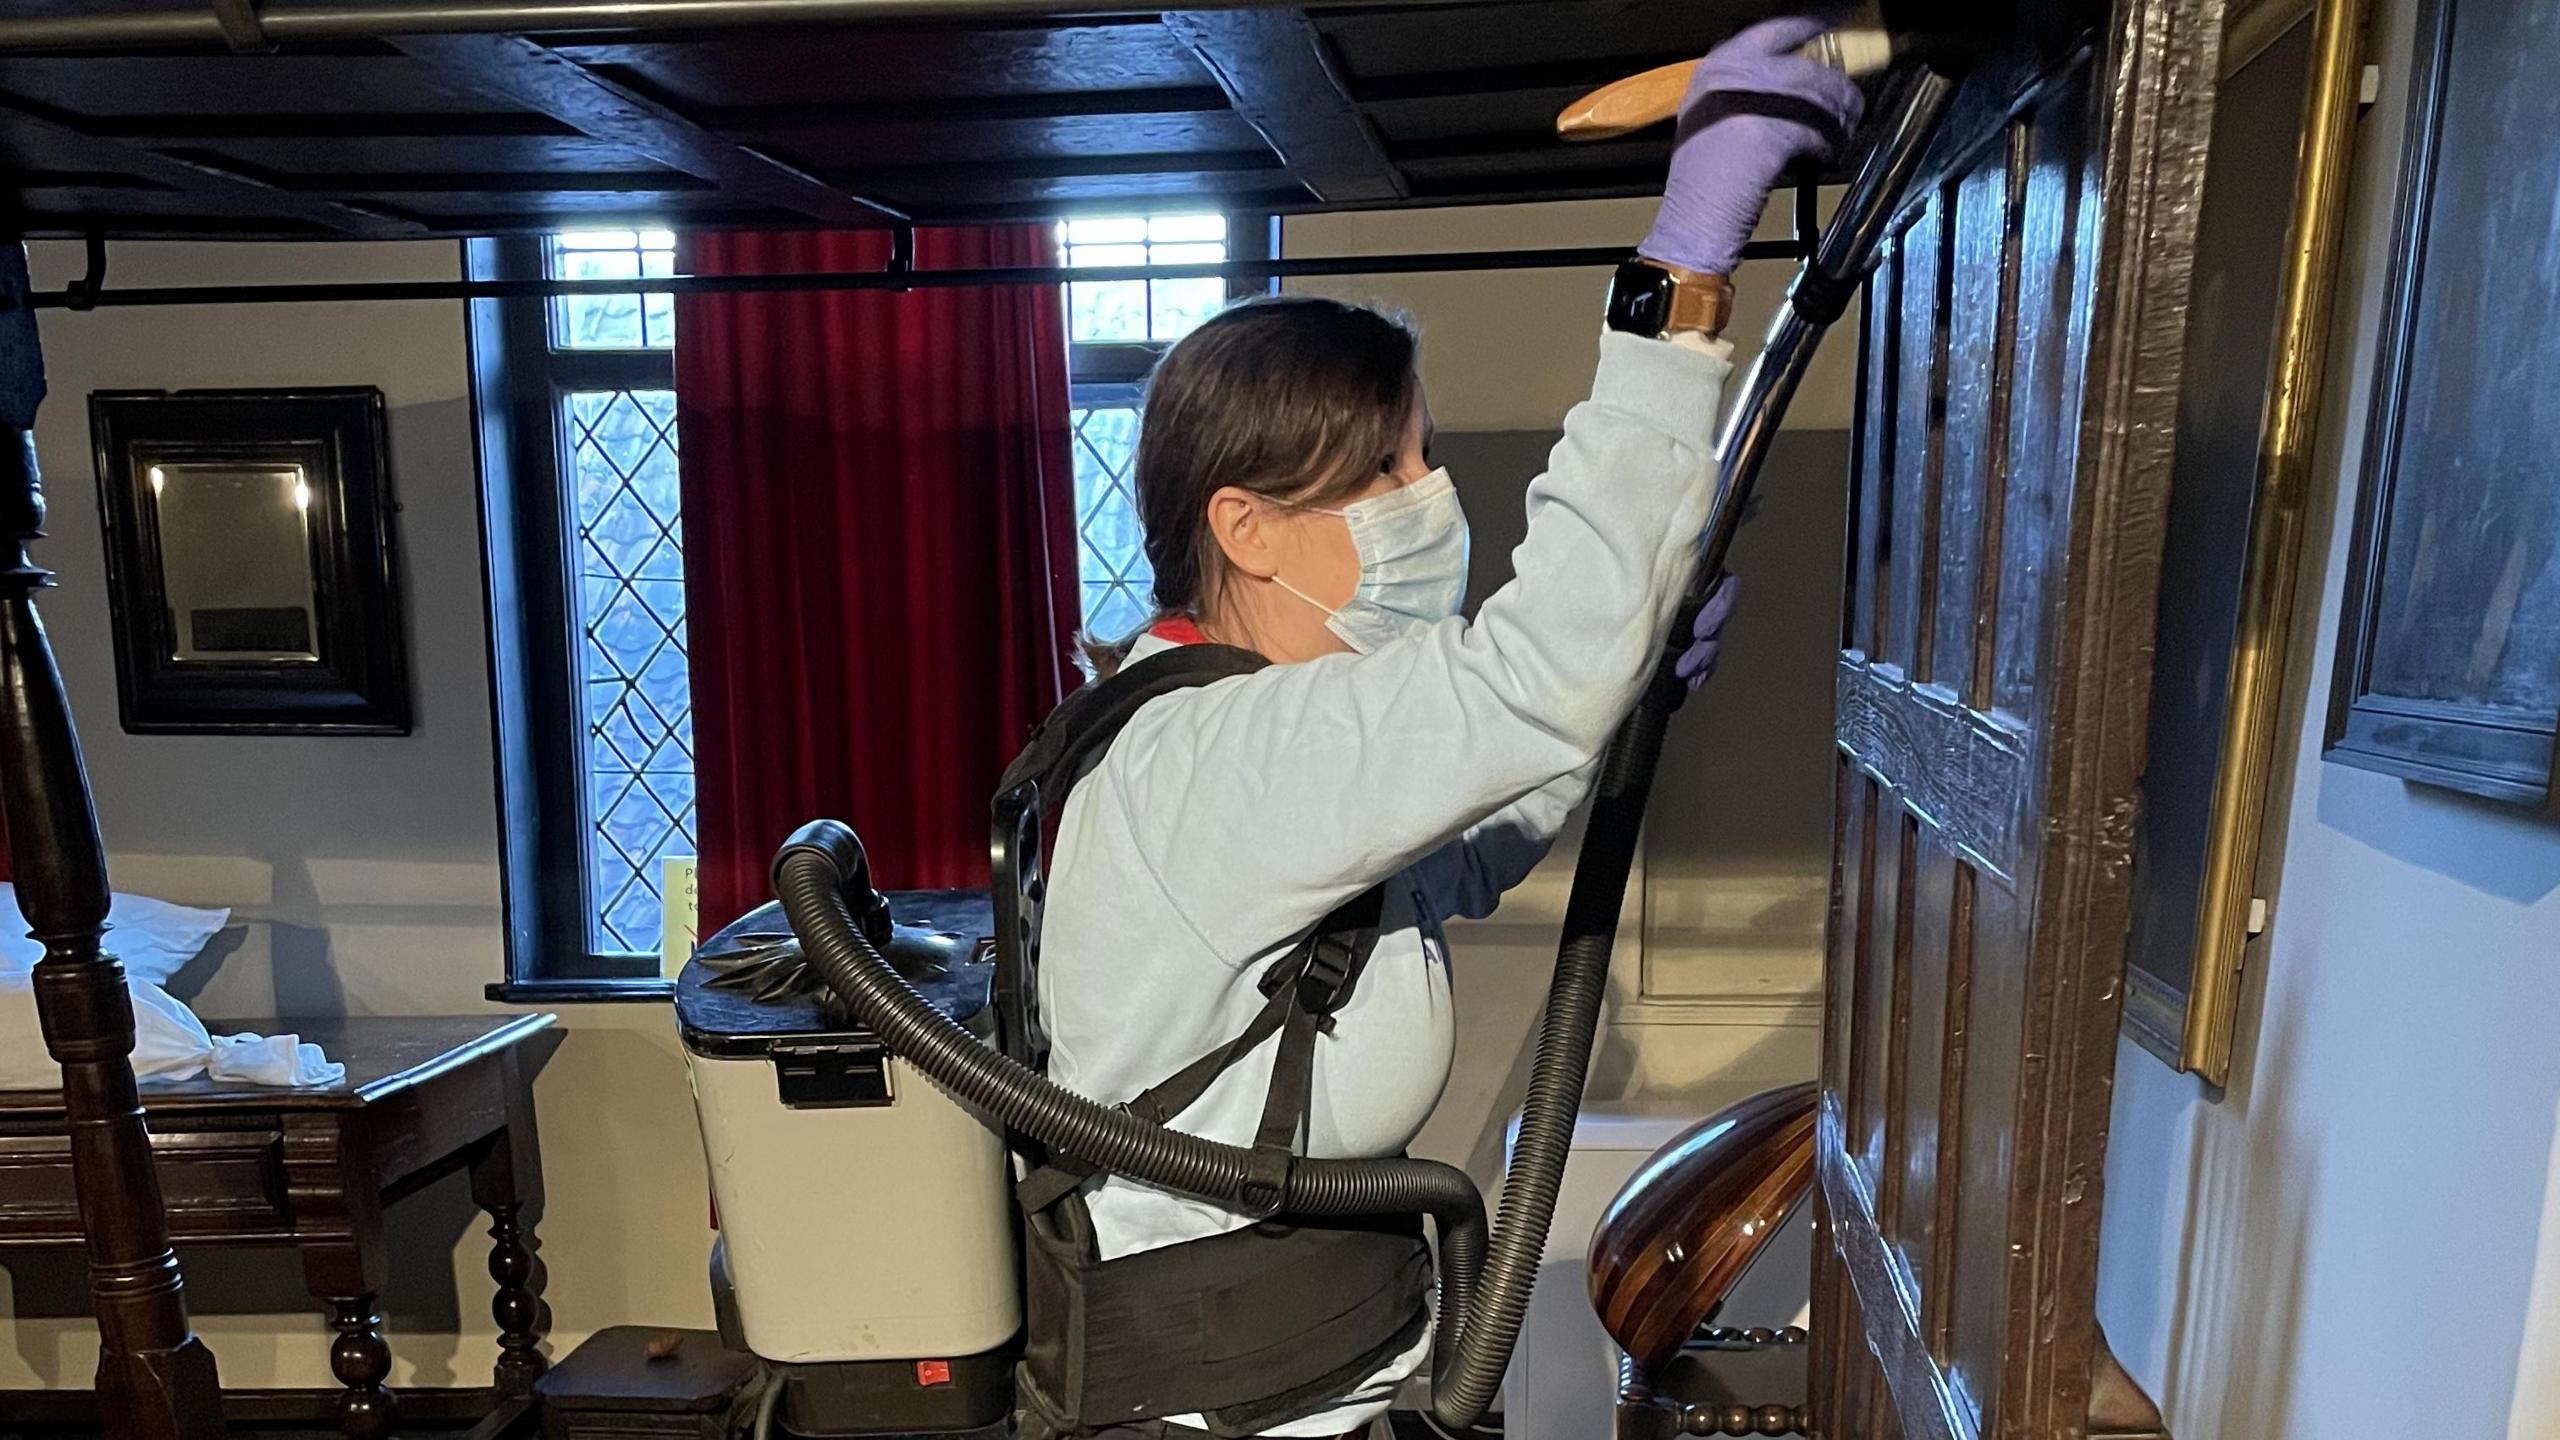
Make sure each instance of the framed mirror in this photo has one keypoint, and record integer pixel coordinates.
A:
(250, 564)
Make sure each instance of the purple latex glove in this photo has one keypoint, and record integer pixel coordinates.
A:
(1698, 663)
(1754, 108)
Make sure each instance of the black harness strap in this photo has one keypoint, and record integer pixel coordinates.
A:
(1305, 987)
(1072, 740)
(1335, 956)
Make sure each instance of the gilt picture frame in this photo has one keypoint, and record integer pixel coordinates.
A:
(2266, 277)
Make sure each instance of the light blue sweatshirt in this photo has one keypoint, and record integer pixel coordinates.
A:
(1227, 821)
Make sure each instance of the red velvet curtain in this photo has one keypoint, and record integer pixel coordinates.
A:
(879, 543)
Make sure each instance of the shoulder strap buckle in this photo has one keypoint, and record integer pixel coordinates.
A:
(1326, 965)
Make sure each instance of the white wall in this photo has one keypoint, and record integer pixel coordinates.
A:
(363, 871)
(2362, 1234)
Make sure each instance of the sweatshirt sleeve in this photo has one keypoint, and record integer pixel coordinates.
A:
(1259, 803)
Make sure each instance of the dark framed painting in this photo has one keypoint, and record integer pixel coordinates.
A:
(251, 570)
(2449, 663)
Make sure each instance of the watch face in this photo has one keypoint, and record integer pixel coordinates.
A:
(1640, 299)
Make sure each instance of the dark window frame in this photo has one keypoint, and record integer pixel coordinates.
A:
(528, 538)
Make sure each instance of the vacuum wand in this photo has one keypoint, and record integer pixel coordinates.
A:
(1823, 292)
(1466, 1381)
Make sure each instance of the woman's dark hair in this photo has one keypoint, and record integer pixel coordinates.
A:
(1296, 397)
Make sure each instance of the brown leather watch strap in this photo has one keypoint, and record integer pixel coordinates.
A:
(1701, 304)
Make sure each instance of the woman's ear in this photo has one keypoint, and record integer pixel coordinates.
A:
(1239, 521)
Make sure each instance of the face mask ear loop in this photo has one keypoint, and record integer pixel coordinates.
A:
(1329, 611)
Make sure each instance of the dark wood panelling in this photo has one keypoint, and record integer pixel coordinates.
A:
(1910, 1183)
(1867, 587)
(1978, 345)
(2023, 347)
(1919, 441)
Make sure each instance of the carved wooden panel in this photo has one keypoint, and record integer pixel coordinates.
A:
(2018, 383)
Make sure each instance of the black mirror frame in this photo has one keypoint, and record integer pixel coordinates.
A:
(360, 684)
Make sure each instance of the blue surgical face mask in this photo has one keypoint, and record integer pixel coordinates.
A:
(1412, 543)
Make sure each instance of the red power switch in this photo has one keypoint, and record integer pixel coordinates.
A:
(933, 1372)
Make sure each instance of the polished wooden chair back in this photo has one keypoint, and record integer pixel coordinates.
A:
(1674, 1241)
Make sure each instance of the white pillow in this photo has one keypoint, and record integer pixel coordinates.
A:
(153, 938)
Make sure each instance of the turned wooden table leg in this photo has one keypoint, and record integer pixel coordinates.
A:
(506, 1182)
(348, 1264)
(517, 1303)
(361, 1359)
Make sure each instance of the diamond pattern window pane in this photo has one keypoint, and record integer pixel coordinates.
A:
(612, 322)
(621, 451)
(1142, 312)
(1118, 582)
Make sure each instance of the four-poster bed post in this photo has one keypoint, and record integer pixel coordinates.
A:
(155, 1378)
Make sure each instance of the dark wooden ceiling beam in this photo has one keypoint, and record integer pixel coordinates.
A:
(322, 125)
(1281, 78)
(496, 182)
(526, 74)
(1574, 76)
(971, 109)
(227, 191)
(1070, 167)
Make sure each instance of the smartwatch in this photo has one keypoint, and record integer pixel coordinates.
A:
(1658, 301)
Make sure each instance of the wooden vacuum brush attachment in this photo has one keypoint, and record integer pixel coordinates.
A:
(1622, 107)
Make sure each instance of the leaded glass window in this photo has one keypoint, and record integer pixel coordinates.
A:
(1143, 311)
(1119, 585)
(638, 713)
(612, 322)
(1117, 328)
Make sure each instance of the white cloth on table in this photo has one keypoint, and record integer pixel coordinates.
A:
(169, 1043)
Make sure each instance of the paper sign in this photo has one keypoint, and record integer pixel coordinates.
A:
(680, 916)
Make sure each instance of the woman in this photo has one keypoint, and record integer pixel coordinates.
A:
(1291, 509)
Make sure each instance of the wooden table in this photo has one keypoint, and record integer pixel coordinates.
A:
(313, 1169)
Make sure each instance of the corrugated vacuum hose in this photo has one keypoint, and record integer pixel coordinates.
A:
(1484, 1291)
